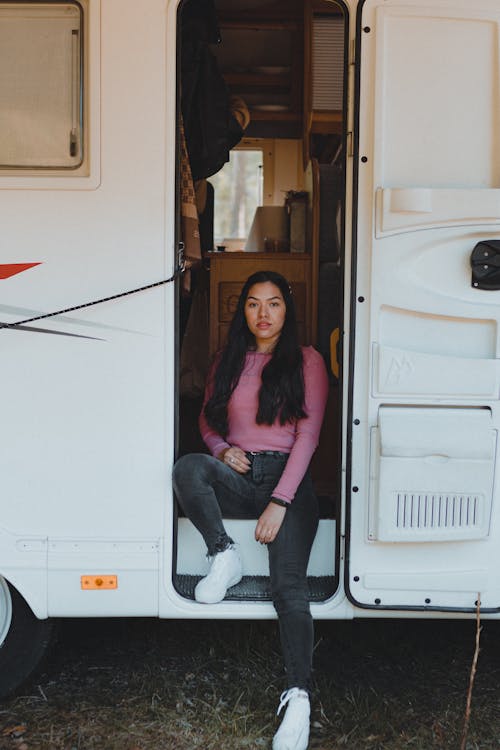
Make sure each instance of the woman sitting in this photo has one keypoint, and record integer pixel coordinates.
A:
(261, 419)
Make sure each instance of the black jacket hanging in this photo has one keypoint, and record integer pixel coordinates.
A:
(210, 128)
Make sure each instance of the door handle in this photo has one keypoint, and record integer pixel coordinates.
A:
(485, 264)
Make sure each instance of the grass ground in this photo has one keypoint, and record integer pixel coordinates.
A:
(152, 685)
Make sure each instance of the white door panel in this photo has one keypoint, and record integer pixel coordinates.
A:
(432, 474)
(406, 209)
(399, 372)
(450, 57)
(424, 519)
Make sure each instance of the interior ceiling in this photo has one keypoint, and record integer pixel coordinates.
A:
(233, 5)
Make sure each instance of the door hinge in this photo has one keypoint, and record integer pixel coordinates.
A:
(351, 96)
(342, 547)
(349, 144)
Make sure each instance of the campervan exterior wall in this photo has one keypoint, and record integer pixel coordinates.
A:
(88, 415)
(87, 439)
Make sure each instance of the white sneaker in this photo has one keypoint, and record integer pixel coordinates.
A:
(225, 572)
(293, 733)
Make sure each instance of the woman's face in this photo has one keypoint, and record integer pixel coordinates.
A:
(265, 313)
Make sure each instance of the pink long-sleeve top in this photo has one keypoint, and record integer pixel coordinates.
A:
(299, 438)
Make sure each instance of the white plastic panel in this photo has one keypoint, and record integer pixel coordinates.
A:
(443, 584)
(407, 209)
(445, 335)
(134, 563)
(432, 475)
(426, 342)
(449, 135)
(400, 372)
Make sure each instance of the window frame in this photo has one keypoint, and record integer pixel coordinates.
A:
(85, 175)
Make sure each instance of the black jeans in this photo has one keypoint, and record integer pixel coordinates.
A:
(207, 490)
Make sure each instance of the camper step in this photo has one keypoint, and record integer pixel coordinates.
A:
(257, 588)
(191, 550)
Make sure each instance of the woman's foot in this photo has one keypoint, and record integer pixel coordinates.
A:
(293, 733)
(225, 572)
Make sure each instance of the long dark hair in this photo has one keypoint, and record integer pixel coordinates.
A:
(281, 394)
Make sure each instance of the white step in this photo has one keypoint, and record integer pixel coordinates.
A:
(191, 550)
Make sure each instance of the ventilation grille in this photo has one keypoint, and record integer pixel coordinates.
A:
(424, 511)
(328, 62)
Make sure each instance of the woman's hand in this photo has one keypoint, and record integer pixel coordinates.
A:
(235, 458)
(269, 523)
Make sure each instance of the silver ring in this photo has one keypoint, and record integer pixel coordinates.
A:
(231, 460)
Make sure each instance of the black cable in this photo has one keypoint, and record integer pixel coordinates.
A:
(94, 302)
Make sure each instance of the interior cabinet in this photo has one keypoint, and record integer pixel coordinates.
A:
(286, 60)
(228, 273)
(261, 58)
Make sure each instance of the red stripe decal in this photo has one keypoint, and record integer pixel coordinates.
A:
(10, 269)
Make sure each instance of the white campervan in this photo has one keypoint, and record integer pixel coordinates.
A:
(375, 139)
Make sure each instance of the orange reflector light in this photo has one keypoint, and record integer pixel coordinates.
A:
(99, 582)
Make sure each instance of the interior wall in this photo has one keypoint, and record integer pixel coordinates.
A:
(288, 173)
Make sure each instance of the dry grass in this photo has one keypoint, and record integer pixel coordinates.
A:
(144, 685)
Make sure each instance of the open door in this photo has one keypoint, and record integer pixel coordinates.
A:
(424, 513)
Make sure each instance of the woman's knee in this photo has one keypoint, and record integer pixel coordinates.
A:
(289, 602)
(289, 590)
(189, 468)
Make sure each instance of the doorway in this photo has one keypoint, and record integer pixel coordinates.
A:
(277, 203)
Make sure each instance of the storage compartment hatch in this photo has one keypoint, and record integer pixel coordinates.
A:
(432, 473)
